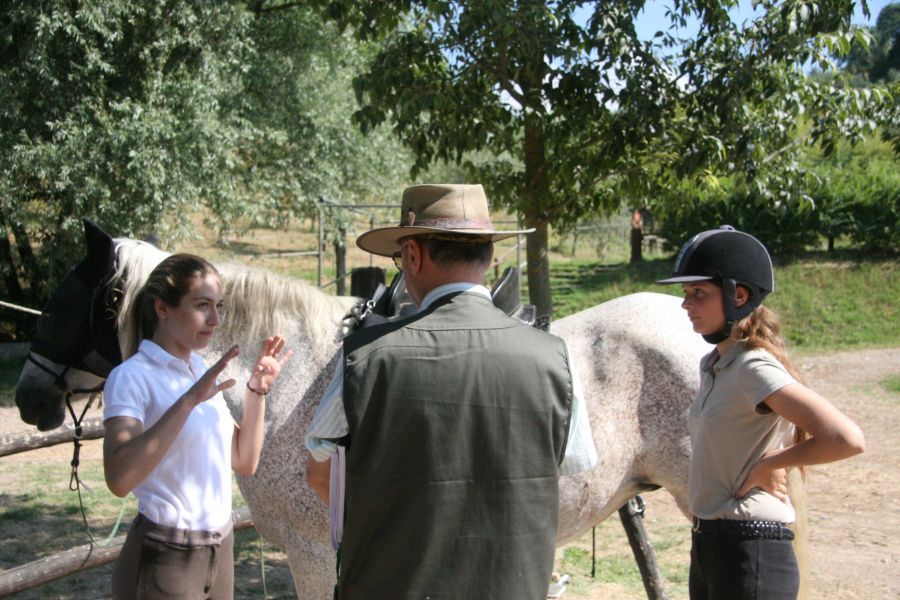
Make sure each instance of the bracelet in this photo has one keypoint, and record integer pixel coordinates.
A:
(257, 392)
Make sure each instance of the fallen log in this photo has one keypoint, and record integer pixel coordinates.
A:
(59, 565)
(14, 443)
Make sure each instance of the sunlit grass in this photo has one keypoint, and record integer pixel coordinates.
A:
(892, 384)
(615, 562)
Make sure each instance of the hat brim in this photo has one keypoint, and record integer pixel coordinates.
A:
(386, 240)
(684, 279)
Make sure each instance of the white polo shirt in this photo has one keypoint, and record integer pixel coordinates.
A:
(191, 487)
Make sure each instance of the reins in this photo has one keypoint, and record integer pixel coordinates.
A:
(75, 482)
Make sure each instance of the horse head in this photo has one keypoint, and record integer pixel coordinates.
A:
(75, 345)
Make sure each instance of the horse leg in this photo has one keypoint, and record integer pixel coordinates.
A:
(312, 567)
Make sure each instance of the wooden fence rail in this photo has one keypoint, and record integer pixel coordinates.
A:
(13, 443)
(65, 563)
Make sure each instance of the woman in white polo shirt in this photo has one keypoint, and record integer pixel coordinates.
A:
(171, 439)
(750, 422)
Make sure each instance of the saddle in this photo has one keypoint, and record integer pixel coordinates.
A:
(392, 302)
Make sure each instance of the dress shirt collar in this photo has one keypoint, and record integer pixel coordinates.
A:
(452, 288)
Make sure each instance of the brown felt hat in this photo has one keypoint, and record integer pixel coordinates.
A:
(448, 209)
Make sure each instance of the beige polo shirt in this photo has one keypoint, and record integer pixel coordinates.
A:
(730, 431)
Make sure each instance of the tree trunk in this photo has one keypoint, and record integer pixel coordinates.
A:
(23, 245)
(637, 240)
(8, 266)
(538, 267)
(536, 196)
(637, 236)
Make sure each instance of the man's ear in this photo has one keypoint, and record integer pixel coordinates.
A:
(414, 253)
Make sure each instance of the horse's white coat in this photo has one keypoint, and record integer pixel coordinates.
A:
(636, 355)
(638, 360)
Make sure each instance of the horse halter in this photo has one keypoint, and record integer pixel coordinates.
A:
(59, 379)
(60, 382)
(75, 311)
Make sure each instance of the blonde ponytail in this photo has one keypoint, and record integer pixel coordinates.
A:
(762, 329)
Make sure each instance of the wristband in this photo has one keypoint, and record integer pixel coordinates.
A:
(255, 391)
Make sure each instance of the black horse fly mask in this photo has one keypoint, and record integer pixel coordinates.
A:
(77, 328)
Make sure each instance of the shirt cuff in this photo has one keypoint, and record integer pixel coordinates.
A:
(578, 463)
(321, 449)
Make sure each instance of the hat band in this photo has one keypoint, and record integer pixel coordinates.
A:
(450, 223)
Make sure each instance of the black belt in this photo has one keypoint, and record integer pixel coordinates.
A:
(749, 529)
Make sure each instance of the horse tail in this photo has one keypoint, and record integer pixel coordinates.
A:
(797, 492)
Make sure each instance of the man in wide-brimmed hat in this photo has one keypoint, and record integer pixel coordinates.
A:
(456, 421)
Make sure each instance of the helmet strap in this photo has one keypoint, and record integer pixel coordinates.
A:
(719, 336)
(733, 313)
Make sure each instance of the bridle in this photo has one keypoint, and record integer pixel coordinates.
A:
(59, 380)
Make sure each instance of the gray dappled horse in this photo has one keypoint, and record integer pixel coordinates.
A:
(637, 357)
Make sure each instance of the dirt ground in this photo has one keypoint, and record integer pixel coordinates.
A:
(854, 518)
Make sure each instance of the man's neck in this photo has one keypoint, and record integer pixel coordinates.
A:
(433, 276)
(450, 288)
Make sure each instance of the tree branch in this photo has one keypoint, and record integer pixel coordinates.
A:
(269, 9)
(503, 74)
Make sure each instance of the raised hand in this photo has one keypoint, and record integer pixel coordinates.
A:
(268, 365)
(207, 386)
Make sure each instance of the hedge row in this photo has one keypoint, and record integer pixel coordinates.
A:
(866, 218)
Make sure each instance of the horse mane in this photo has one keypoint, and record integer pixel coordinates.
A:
(258, 302)
(261, 303)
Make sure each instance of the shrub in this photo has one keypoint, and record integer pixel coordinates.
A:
(785, 227)
(875, 221)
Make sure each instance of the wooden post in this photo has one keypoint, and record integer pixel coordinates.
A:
(340, 257)
(632, 514)
(320, 249)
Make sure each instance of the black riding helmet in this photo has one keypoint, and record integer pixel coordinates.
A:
(730, 258)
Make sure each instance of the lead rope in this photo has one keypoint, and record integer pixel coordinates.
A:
(75, 482)
(262, 565)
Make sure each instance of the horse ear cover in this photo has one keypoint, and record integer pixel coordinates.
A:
(100, 259)
(731, 258)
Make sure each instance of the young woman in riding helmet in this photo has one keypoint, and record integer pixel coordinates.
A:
(750, 422)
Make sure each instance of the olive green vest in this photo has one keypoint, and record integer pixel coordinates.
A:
(458, 420)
